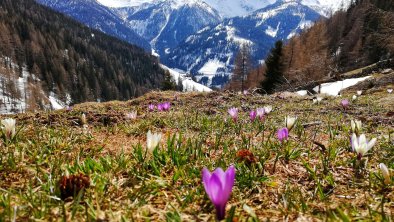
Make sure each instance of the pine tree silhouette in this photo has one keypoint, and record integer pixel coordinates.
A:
(274, 72)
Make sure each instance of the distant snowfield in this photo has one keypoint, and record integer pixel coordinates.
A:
(333, 88)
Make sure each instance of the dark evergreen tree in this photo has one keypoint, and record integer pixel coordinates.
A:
(179, 87)
(274, 69)
(168, 83)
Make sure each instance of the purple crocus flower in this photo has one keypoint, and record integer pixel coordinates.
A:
(160, 107)
(260, 112)
(283, 134)
(252, 115)
(218, 186)
(345, 103)
(151, 107)
(166, 106)
(233, 113)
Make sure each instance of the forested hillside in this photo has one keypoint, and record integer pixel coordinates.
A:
(357, 37)
(360, 36)
(70, 59)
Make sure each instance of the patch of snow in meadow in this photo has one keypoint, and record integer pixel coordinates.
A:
(333, 88)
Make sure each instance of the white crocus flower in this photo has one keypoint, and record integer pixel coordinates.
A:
(131, 115)
(359, 92)
(8, 127)
(260, 112)
(361, 145)
(389, 90)
(152, 140)
(385, 172)
(314, 101)
(354, 97)
(319, 99)
(267, 109)
(356, 125)
(290, 121)
(83, 119)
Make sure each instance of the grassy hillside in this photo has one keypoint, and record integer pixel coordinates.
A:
(313, 175)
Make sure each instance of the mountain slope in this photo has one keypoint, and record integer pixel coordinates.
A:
(70, 60)
(210, 53)
(166, 23)
(97, 16)
(349, 40)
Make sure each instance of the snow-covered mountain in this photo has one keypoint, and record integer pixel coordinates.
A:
(233, 8)
(97, 16)
(209, 54)
(166, 23)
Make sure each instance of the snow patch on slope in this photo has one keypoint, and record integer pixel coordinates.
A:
(211, 67)
(188, 84)
(232, 37)
(271, 31)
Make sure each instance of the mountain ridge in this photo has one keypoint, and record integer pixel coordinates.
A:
(209, 54)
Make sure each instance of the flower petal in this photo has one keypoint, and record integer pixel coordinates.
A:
(215, 190)
(229, 183)
(206, 176)
(354, 142)
(221, 174)
(371, 144)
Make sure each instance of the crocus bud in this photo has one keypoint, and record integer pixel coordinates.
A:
(283, 134)
(359, 92)
(345, 103)
(385, 172)
(252, 115)
(356, 126)
(260, 113)
(166, 106)
(290, 121)
(319, 99)
(389, 90)
(233, 113)
(160, 107)
(267, 109)
(151, 107)
(354, 98)
(152, 140)
(131, 115)
(83, 119)
(8, 128)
